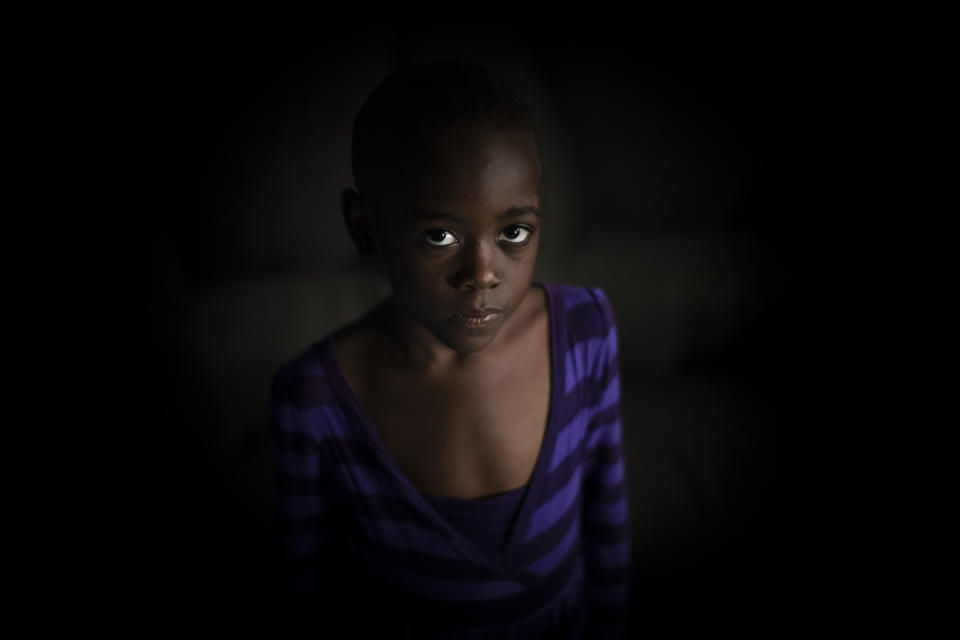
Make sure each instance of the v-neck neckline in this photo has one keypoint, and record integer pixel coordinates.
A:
(500, 561)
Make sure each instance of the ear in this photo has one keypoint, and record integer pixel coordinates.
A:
(360, 224)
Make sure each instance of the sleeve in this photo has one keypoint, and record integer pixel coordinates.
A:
(304, 519)
(606, 526)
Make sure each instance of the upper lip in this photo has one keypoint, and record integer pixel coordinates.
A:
(474, 312)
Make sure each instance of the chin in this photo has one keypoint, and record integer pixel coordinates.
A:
(469, 344)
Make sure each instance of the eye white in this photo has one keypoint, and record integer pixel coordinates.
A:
(438, 232)
(522, 238)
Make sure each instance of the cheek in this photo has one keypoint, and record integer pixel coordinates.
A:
(526, 258)
(419, 278)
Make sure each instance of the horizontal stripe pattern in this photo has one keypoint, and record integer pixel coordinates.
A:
(444, 590)
(338, 500)
(560, 502)
(606, 525)
(584, 359)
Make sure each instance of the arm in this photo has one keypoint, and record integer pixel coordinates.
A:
(304, 519)
(606, 530)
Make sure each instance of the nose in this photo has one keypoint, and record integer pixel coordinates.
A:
(478, 268)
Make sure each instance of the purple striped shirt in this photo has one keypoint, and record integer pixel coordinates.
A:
(364, 549)
(486, 521)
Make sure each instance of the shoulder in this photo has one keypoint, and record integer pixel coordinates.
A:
(304, 364)
(590, 333)
(586, 310)
(321, 358)
(309, 379)
(304, 405)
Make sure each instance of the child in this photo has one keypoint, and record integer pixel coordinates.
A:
(450, 464)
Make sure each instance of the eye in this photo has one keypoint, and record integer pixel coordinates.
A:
(439, 234)
(516, 231)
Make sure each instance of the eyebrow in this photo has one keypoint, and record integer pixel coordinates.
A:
(512, 212)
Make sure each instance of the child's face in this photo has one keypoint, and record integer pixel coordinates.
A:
(442, 265)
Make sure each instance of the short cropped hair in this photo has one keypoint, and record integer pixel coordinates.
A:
(420, 97)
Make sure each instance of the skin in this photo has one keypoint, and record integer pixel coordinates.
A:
(437, 266)
(461, 411)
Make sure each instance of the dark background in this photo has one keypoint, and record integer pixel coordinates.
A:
(694, 174)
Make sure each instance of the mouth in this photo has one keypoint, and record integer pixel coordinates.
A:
(473, 318)
(476, 313)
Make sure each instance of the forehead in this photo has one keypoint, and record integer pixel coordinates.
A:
(472, 169)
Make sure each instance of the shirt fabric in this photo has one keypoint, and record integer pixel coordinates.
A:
(366, 551)
(486, 521)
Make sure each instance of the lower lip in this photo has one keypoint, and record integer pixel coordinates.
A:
(474, 322)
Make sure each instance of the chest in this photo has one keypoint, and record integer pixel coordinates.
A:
(471, 435)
